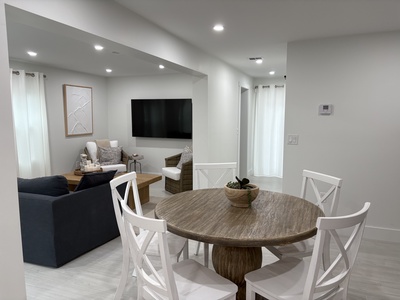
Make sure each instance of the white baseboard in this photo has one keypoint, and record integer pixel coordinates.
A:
(382, 234)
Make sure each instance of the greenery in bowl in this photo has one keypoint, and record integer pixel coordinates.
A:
(241, 193)
(239, 184)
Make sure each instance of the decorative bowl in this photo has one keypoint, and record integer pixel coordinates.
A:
(242, 197)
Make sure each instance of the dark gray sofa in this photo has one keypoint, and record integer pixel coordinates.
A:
(57, 226)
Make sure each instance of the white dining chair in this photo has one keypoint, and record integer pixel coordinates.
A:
(324, 275)
(120, 194)
(324, 192)
(186, 279)
(212, 175)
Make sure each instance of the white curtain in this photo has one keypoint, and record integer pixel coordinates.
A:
(30, 124)
(269, 131)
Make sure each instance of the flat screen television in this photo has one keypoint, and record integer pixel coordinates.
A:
(162, 118)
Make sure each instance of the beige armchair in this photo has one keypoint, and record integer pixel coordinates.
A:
(178, 180)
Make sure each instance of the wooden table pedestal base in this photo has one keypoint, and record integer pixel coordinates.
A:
(234, 262)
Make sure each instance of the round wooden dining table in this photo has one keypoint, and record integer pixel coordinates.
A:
(237, 234)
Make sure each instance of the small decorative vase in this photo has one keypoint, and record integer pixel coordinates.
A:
(242, 197)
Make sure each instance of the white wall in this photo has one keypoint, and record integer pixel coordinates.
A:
(359, 142)
(223, 116)
(120, 91)
(12, 284)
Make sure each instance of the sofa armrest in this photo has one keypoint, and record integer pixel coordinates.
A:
(124, 158)
(187, 170)
(56, 230)
(86, 151)
(37, 227)
(173, 160)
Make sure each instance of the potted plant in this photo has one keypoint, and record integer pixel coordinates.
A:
(241, 192)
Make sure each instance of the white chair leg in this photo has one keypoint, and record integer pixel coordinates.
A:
(250, 294)
(124, 274)
(186, 250)
(206, 254)
(274, 251)
(198, 248)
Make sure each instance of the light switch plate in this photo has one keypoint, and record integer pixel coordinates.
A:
(325, 109)
(293, 139)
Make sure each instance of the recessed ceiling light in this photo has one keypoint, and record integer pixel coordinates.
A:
(161, 66)
(272, 73)
(31, 53)
(98, 47)
(108, 70)
(218, 27)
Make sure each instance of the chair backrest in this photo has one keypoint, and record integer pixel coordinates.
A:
(325, 191)
(149, 282)
(214, 175)
(328, 276)
(120, 195)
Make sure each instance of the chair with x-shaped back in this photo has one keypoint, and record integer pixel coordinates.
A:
(186, 279)
(324, 275)
(121, 188)
(325, 194)
(213, 175)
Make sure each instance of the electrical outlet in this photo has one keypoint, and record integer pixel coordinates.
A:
(293, 139)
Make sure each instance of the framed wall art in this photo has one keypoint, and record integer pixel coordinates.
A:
(78, 110)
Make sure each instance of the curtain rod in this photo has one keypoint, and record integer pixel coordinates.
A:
(27, 74)
(267, 86)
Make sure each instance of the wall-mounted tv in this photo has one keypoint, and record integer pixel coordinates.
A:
(162, 118)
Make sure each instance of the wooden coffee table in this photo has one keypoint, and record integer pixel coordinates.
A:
(143, 182)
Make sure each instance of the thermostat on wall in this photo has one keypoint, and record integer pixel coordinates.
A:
(325, 109)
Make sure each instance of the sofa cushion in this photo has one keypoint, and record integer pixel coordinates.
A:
(186, 156)
(109, 156)
(114, 143)
(94, 179)
(55, 185)
(105, 143)
(91, 148)
(172, 172)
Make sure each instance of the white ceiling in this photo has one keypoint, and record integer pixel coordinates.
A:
(64, 47)
(253, 28)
